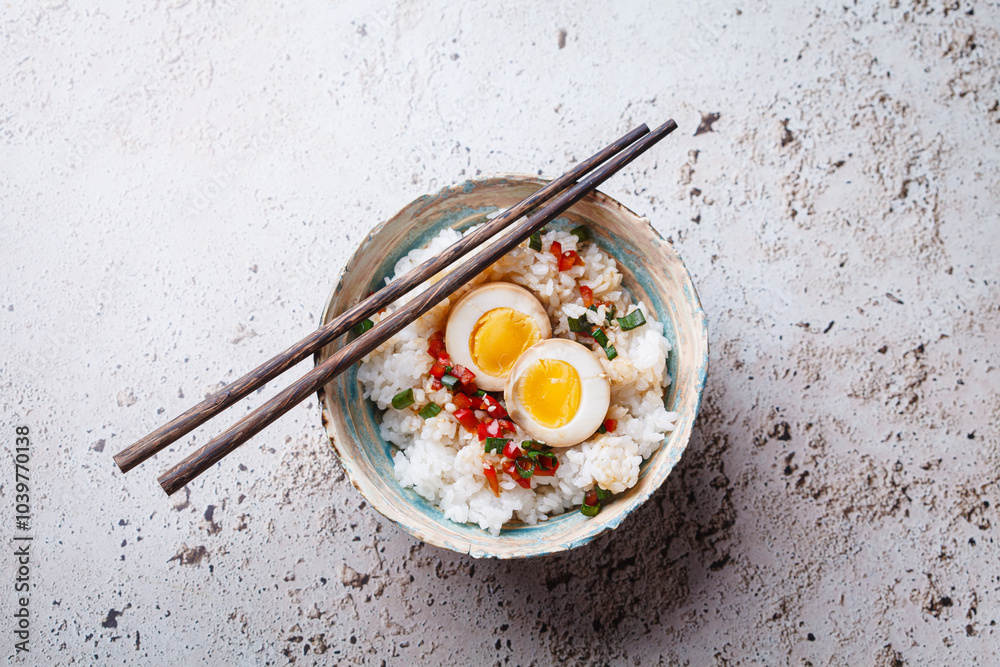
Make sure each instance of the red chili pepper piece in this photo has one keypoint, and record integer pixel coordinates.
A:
(491, 476)
(461, 401)
(556, 250)
(493, 429)
(588, 296)
(481, 431)
(507, 425)
(591, 498)
(493, 408)
(467, 419)
(444, 358)
(435, 384)
(511, 451)
(435, 345)
(567, 260)
(547, 466)
(465, 376)
(511, 469)
(610, 424)
(476, 402)
(438, 370)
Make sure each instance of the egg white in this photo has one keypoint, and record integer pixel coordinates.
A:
(476, 303)
(595, 392)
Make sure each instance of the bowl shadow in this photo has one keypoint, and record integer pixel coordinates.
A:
(645, 574)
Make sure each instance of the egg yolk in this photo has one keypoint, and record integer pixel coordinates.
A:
(500, 336)
(549, 390)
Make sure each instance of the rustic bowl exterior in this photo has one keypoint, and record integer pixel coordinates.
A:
(654, 273)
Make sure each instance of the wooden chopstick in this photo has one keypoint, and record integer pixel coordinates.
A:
(214, 451)
(142, 449)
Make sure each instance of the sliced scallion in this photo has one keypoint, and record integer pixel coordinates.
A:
(525, 467)
(611, 352)
(449, 380)
(601, 337)
(578, 324)
(603, 494)
(362, 327)
(538, 457)
(589, 510)
(480, 393)
(581, 233)
(430, 410)
(496, 444)
(535, 242)
(632, 320)
(403, 399)
(601, 429)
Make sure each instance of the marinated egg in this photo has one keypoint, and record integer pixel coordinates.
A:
(557, 391)
(490, 327)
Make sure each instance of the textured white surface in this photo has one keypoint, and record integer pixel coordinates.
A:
(180, 183)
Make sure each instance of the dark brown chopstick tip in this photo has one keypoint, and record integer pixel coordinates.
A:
(172, 481)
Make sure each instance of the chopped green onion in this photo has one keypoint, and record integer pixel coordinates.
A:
(362, 327)
(496, 444)
(580, 233)
(603, 494)
(403, 399)
(581, 325)
(430, 410)
(601, 337)
(548, 456)
(480, 393)
(525, 467)
(578, 324)
(601, 428)
(590, 510)
(535, 242)
(534, 446)
(449, 381)
(632, 320)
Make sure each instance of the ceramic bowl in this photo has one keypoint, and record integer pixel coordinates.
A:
(653, 272)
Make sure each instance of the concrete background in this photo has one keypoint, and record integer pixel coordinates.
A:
(181, 181)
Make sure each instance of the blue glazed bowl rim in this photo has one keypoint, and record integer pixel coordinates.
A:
(595, 527)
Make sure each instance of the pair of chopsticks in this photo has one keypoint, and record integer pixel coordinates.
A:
(567, 190)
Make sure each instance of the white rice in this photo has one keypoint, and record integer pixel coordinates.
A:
(444, 463)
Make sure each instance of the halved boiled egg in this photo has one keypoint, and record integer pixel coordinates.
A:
(558, 392)
(490, 327)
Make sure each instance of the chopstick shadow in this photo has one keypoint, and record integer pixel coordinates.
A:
(645, 573)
